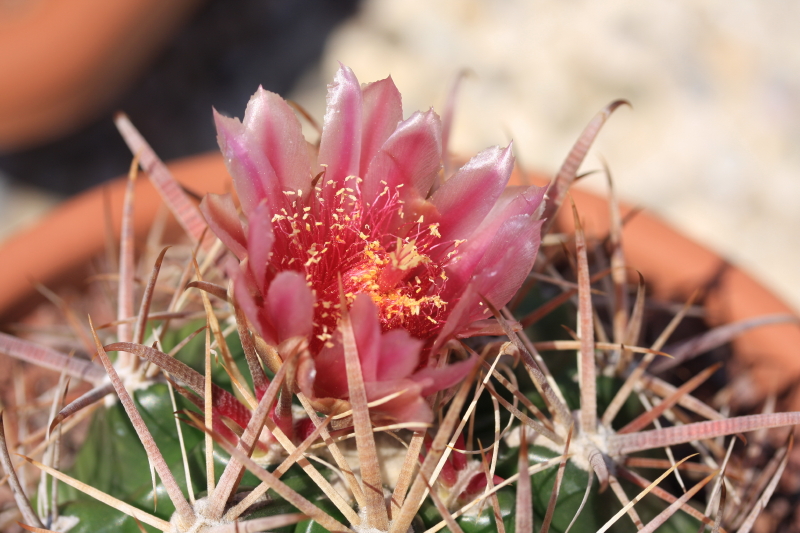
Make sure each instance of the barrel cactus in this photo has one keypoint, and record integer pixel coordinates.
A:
(371, 354)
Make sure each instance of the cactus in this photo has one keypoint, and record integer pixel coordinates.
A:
(456, 409)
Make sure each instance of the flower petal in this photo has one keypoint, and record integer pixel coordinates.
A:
(514, 201)
(249, 300)
(459, 316)
(260, 241)
(525, 202)
(253, 175)
(340, 146)
(221, 216)
(399, 355)
(273, 130)
(408, 407)
(367, 331)
(435, 379)
(382, 111)
(464, 200)
(331, 378)
(408, 162)
(508, 260)
(291, 305)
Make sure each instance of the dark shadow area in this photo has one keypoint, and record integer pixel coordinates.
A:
(218, 59)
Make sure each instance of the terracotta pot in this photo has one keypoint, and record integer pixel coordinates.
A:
(766, 359)
(58, 248)
(63, 62)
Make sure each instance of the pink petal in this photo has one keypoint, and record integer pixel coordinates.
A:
(409, 159)
(273, 130)
(399, 355)
(508, 260)
(253, 175)
(435, 379)
(408, 407)
(291, 305)
(331, 376)
(477, 485)
(417, 410)
(221, 216)
(260, 241)
(459, 460)
(459, 317)
(465, 199)
(249, 300)
(462, 266)
(382, 111)
(340, 146)
(512, 202)
(367, 330)
(306, 373)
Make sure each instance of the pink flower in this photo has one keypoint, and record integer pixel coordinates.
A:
(368, 209)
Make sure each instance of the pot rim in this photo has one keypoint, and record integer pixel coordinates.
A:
(55, 251)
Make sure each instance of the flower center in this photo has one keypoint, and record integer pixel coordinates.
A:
(333, 236)
(404, 283)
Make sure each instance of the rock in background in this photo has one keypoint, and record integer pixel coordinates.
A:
(711, 143)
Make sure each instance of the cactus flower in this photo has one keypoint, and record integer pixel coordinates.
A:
(367, 220)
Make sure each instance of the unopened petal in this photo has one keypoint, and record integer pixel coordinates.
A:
(340, 146)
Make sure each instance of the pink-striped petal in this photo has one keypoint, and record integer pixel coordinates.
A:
(399, 355)
(253, 175)
(340, 146)
(408, 162)
(273, 130)
(221, 216)
(525, 202)
(261, 238)
(291, 305)
(507, 262)
(382, 111)
(512, 202)
(465, 199)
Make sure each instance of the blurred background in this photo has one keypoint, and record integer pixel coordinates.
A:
(712, 144)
